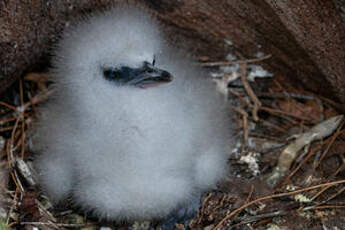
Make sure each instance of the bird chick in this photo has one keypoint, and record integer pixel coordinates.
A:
(133, 129)
(3, 189)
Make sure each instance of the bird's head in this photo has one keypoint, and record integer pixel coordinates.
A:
(146, 75)
(118, 47)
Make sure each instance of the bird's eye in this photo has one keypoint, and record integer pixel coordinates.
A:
(154, 60)
(110, 74)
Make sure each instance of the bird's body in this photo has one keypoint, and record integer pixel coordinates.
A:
(125, 148)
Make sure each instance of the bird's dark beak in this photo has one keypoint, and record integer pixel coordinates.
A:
(150, 76)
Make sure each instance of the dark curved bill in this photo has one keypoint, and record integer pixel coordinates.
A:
(150, 76)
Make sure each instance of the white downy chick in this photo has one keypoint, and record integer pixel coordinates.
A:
(134, 130)
(3, 190)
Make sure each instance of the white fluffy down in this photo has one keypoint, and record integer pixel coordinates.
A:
(3, 187)
(124, 152)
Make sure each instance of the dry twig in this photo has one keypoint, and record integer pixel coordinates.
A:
(233, 213)
(224, 63)
(250, 92)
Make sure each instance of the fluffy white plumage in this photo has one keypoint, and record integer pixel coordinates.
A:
(3, 188)
(122, 151)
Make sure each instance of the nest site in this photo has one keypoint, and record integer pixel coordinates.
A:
(287, 166)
